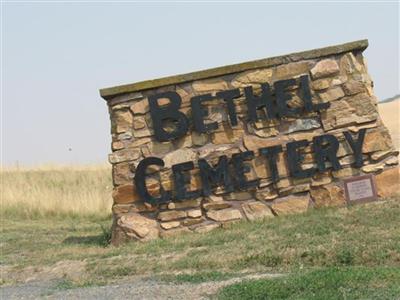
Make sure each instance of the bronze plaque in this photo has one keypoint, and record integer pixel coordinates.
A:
(360, 189)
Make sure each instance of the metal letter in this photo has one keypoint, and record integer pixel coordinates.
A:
(325, 148)
(241, 169)
(294, 158)
(181, 179)
(199, 113)
(219, 175)
(356, 146)
(171, 112)
(140, 182)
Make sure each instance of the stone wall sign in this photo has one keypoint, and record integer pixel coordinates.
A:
(259, 139)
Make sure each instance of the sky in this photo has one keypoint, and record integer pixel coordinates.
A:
(56, 57)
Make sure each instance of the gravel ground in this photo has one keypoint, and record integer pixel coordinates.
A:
(143, 288)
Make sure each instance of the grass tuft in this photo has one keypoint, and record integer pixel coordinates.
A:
(331, 283)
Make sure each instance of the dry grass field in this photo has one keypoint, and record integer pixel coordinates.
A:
(56, 190)
(390, 113)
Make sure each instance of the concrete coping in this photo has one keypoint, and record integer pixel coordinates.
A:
(108, 93)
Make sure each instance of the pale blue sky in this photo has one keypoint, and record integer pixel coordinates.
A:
(57, 56)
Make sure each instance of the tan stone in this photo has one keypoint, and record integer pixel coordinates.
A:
(122, 121)
(226, 137)
(139, 122)
(124, 155)
(216, 205)
(138, 226)
(267, 194)
(373, 167)
(207, 227)
(169, 225)
(122, 173)
(254, 143)
(349, 64)
(321, 84)
(252, 77)
(186, 93)
(353, 87)
(283, 183)
(388, 182)
(117, 145)
(298, 136)
(345, 172)
(265, 132)
(348, 111)
(392, 161)
(194, 213)
(377, 140)
(159, 148)
(135, 207)
(256, 210)
(291, 70)
(171, 215)
(300, 188)
(174, 232)
(380, 155)
(192, 221)
(140, 107)
(125, 194)
(332, 94)
(185, 204)
(328, 195)
(324, 68)
(347, 160)
(183, 142)
(291, 204)
(209, 86)
(224, 214)
(261, 168)
(179, 156)
(144, 132)
(199, 139)
(320, 179)
(339, 80)
(238, 196)
(344, 149)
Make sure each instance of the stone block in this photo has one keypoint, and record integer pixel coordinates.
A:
(171, 215)
(328, 195)
(224, 215)
(324, 68)
(291, 205)
(256, 210)
(138, 226)
(388, 182)
(123, 155)
(126, 193)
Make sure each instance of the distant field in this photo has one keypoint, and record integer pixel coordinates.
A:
(56, 190)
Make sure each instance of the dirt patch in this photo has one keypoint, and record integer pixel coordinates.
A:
(139, 288)
(71, 269)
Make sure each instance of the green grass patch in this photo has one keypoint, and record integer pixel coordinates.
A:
(362, 235)
(197, 277)
(331, 283)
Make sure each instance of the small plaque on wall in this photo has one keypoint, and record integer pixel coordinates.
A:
(360, 189)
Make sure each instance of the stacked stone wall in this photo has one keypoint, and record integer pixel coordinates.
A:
(338, 76)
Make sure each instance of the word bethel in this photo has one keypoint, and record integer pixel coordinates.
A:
(270, 106)
(230, 173)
